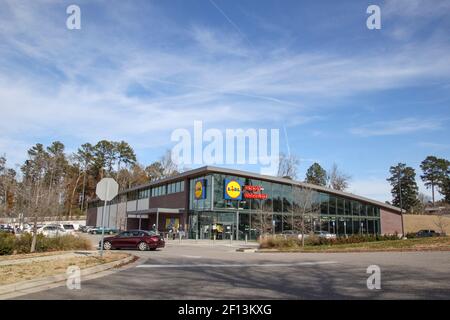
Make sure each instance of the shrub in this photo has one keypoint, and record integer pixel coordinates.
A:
(275, 242)
(10, 243)
(6, 243)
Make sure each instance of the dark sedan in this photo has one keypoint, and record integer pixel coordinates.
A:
(134, 239)
(427, 233)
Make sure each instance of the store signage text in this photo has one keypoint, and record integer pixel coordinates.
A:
(254, 192)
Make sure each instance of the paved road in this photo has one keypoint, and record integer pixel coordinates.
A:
(190, 271)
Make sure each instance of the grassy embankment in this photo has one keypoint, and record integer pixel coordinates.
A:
(417, 244)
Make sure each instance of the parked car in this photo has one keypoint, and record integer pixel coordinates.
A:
(70, 228)
(99, 230)
(134, 239)
(293, 234)
(52, 231)
(325, 234)
(427, 233)
(7, 229)
(85, 228)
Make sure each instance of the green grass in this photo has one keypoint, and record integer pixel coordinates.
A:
(418, 244)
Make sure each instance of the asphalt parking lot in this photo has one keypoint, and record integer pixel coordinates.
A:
(203, 271)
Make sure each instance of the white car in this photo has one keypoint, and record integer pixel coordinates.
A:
(70, 228)
(52, 231)
(325, 234)
(293, 234)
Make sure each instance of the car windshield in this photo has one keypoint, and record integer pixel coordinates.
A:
(68, 226)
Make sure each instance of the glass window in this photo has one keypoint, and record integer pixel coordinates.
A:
(371, 226)
(277, 191)
(287, 198)
(377, 212)
(355, 208)
(324, 224)
(324, 203)
(356, 226)
(144, 193)
(267, 204)
(340, 206)
(132, 195)
(347, 207)
(362, 210)
(348, 226)
(332, 205)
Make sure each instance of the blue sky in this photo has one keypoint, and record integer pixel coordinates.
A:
(137, 70)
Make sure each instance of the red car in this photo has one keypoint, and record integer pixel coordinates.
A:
(134, 239)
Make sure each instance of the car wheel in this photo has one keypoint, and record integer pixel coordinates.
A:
(107, 245)
(142, 246)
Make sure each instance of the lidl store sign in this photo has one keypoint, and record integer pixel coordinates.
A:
(200, 189)
(233, 189)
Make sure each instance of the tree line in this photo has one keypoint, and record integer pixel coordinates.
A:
(333, 178)
(52, 182)
(405, 192)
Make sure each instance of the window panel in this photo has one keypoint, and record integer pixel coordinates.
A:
(332, 205)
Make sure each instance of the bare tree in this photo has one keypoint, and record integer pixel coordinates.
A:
(169, 167)
(303, 208)
(441, 223)
(288, 166)
(338, 180)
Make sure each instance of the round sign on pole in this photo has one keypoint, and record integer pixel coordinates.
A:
(107, 189)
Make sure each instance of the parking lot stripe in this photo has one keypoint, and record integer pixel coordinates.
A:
(234, 265)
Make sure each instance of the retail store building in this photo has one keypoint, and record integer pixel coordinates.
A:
(213, 201)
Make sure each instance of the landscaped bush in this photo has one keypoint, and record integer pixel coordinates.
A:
(411, 235)
(6, 243)
(9, 243)
(280, 242)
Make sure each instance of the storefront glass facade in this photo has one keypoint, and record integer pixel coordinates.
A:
(284, 208)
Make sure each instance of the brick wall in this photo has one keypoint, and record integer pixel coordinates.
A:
(391, 222)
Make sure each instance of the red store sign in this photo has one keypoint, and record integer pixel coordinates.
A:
(253, 192)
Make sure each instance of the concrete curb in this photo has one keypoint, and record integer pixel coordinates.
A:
(44, 282)
(352, 251)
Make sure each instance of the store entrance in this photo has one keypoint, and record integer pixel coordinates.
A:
(213, 225)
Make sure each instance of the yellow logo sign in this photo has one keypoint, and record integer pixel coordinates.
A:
(233, 189)
(198, 190)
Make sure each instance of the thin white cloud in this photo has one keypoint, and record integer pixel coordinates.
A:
(434, 145)
(79, 84)
(396, 127)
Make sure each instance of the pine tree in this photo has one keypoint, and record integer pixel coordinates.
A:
(404, 186)
(435, 171)
(316, 175)
(445, 189)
